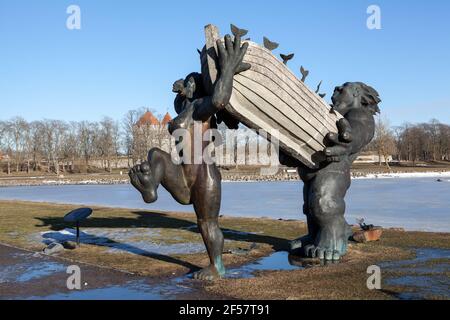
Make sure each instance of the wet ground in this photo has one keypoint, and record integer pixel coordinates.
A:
(29, 275)
(425, 277)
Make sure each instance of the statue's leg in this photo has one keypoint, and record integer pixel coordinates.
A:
(327, 210)
(206, 197)
(160, 169)
(312, 225)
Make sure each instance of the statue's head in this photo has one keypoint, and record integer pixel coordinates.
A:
(189, 88)
(354, 95)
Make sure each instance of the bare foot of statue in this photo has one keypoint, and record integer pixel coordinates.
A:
(209, 273)
(331, 241)
(141, 178)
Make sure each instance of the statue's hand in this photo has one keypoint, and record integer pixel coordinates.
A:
(341, 142)
(231, 56)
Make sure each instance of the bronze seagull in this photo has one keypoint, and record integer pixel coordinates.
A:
(286, 57)
(270, 45)
(304, 72)
(237, 31)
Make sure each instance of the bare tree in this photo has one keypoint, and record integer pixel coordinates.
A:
(107, 141)
(36, 143)
(128, 124)
(384, 140)
(18, 129)
(87, 138)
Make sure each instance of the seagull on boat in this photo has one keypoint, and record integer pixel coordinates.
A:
(269, 44)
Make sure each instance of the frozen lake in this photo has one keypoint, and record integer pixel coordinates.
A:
(410, 203)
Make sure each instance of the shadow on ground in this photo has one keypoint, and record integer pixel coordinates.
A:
(157, 220)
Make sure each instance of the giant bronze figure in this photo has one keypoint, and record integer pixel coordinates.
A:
(193, 183)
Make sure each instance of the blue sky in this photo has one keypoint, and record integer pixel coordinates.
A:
(128, 53)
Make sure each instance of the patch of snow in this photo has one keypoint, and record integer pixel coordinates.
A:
(444, 174)
(139, 241)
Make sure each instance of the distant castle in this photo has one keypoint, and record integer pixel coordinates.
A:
(150, 132)
(149, 119)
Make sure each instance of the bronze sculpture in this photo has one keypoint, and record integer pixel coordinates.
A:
(197, 184)
(326, 173)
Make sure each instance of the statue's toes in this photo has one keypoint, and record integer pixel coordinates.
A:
(205, 275)
(331, 255)
(320, 253)
(328, 255)
(336, 255)
(133, 178)
(145, 168)
(310, 251)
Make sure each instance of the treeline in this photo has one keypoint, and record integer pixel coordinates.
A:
(55, 145)
(412, 142)
(60, 146)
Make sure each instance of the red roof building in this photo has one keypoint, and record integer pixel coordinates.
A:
(167, 118)
(147, 119)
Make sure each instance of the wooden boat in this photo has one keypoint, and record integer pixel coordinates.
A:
(270, 97)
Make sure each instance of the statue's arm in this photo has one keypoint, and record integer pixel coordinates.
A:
(354, 133)
(230, 63)
(363, 132)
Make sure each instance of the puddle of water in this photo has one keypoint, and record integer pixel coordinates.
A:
(427, 269)
(24, 272)
(278, 261)
(422, 255)
(141, 290)
(422, 278)
(423, 286)
(132, 290)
